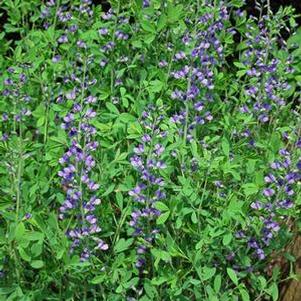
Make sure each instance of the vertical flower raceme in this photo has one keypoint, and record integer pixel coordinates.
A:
(19, 102)
(277, 197)
(148, 161)
(194, 68)
(265, 72)
(78, 161)
(77, 165)
(14, 127)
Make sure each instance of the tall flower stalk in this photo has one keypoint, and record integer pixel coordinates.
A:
(13, 136)
(148, 162)
(195, 67)
(78, 161)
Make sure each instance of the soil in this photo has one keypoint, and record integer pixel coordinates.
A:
(291, 290)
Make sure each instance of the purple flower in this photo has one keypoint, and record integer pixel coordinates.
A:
(269, 178)
(103, 31)
(4, 117)
(199, 106)
(256, 205)
(102, 245)
(56, 58)
(268, 192)
(260, 254)
(91, 219)
(159, 149)
(28, 215)
(81, 44)
(146, 3)
(163, 64)
(136, 162)
(71, 95)
(63, 39)
(286, 204)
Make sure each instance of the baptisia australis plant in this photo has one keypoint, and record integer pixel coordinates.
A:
(266, 68)
(15, 92)
(98, 67)
(195, 71)
(78, 162)
(278, 197)
(148, 161)
(265, 71)
(14, 121)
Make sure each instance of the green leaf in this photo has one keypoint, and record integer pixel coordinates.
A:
(147, 26)
(208, 273)
(37, 264)
(225, 146)
(273, 291)
(41, 121)
(227, 239)
(163, 218)
(24, 255)
(241, 73)
(194, 218)
(231, 273)
(162, 22)
(112, 108)
(244, 294)
(36, 249)
(161, 206)
(275, 142)
(217, 283)
(149, 38)
(239, 65)
(150, 290)
(127, 118)
(174, 12)
(156, 86)
(109, 190)
(20, 231)
(263, 282)
(123, 245)
(250, 188)
(98, 279)
(34, 235)
(251, 166)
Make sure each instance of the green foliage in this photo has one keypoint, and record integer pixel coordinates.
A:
(212, 178)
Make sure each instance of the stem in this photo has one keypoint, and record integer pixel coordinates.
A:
(113, 41)
(18, 190)
(14, 114)
(186, 118)
(119, 226)
(55, 15)
(19, 171)
(78, 140)
(188, 88)
(46, 118)
(16, 267)
(269, 7)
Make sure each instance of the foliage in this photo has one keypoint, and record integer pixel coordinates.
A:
(150, 151)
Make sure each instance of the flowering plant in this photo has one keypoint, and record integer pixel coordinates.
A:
(150, 150)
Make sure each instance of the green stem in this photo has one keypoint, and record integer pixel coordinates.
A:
(113, 41)
(19, 172)
(80, 170)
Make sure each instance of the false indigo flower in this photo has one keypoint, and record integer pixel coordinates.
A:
(147, 160)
